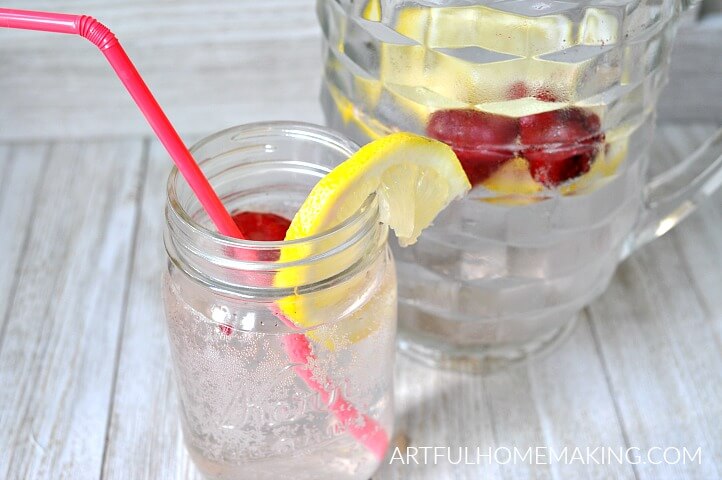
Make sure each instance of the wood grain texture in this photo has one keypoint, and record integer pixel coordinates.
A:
(563, 400)
(218, 63)
(22, 169)
(57, 351)
(211, 64)
(694, 92)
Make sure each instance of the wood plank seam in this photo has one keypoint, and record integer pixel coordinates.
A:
(140, 189)
(5, 177)
(26, 242)
(608, 381)
(690, 389)
(543, 418)
(541, 415)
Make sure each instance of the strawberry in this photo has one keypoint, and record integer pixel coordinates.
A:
(261, 226)
(480, 163)
(560, 145)
(482, 141)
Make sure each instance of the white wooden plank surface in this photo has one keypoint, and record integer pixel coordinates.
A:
(218, 63)
(57, 350)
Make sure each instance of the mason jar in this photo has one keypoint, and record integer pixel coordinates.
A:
(290, 380)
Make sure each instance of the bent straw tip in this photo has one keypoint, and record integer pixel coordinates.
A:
(97, 33)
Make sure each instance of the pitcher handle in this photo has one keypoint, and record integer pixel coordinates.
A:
(672, 195)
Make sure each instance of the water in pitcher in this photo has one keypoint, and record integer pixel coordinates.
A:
(549, 106)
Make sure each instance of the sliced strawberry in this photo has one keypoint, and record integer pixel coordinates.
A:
(554, 168)
(482, 141)
(262, 226)
(480, 163)
(472, 128)
(560, 145)
(259, 226)
(565, 127)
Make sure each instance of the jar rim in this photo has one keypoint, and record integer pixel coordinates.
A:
(297, 129)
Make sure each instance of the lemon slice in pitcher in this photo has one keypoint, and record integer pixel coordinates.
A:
(413, 177)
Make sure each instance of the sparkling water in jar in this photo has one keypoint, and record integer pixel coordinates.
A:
(284, 369)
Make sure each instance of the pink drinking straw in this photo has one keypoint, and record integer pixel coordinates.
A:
(299, 351)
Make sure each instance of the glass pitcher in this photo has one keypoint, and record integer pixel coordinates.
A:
(550, 107)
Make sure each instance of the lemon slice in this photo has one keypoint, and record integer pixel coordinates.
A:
(513, 178)
(413, 177)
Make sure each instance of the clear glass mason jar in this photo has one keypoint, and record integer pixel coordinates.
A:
(260, 396)
(550, 107)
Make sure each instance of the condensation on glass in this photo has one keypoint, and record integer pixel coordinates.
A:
(251, 405)
(550, 107)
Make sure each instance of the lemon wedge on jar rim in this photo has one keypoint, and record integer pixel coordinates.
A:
(413, 177)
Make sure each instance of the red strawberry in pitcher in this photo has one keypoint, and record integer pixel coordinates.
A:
(560, 145)
(482, 141)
